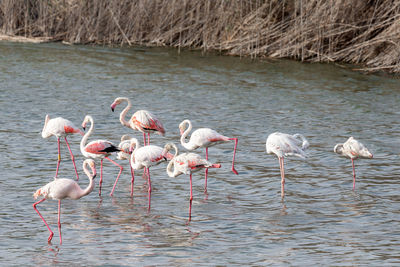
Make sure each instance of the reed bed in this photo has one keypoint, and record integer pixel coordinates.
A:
(350, 31)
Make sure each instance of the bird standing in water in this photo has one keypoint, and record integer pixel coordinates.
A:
(353, 149)
(204, 137)
(98, 149)
(283, 145)
(141, 120)
(62, 188)
(60, 127)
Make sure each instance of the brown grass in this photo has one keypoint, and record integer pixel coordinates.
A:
(352, 31)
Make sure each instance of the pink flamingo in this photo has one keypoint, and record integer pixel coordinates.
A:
(141, 120)
(353, 149)
(187, 163)
(147, 156)
(60, 127)
(64, 188)
(99, 149)
(283, 145)
(204, 137)
(125, 153)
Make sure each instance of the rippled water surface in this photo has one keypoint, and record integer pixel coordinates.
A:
(242, 220)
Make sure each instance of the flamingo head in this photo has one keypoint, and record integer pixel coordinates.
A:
(85, 121)
(92, 166)
(116, 102)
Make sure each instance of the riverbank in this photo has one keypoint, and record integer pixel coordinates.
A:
(366, 33)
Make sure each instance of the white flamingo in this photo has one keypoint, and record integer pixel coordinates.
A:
(353, 149)
(60, 127)
(64, 188)
(187, 163)
(141, 120)
(145, 157)
(98, 149)
(204, 137)
(283, 145)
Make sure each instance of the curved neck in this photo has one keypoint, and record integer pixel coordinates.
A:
(123, 113)
(90, 187)
(86, 136)
(186, 133)
(170, 172)
(134, 142)
(46, 120)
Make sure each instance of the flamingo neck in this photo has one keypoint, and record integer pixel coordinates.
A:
(44, 132)
(133, 161)
(188, 145)
(90, 187)
(171, 170)
(124, 111)
(86, 136)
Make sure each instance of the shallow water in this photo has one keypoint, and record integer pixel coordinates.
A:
(242, 220)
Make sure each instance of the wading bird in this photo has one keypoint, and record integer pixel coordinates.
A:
(98, 149)
(204, 137)
(283, 145)
(141, 120)
(145, 157)
(60, 127)
(352, 149)
(187, 163)
(64, 188)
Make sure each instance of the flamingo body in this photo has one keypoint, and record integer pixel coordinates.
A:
(204, 137)
(283, 145)
(353, 149)
(98, 149)
(141, 120)
(64, 188)
(60, 127)
(187, 163)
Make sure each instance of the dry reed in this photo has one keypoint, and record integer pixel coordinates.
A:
(352, 31)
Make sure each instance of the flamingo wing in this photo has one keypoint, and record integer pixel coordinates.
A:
(101, 147)
(147, 122)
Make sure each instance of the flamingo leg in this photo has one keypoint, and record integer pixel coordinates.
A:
(206, 173)
(281, 166)
(119, 174)
(191, 198)
(72, 158)
(40, 215)
(148, 138)
(354, 174)
(234, 153)
(149, 182)
(133, 177)
(59, 156)
(101, 176)
(59, 219)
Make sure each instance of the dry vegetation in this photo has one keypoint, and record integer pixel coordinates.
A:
(353, 31)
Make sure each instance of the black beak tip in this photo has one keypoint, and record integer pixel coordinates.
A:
(112, 109)
(94, 176)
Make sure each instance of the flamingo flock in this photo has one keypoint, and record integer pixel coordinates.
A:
(146, 156)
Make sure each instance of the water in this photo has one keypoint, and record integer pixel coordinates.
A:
(242, 221)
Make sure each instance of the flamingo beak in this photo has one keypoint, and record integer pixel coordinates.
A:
(94, 176)
(113, 107)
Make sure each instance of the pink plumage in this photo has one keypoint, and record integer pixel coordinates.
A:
(141, 120)
(204, 137)
(98, 149)
(60, 127)
(64, 188)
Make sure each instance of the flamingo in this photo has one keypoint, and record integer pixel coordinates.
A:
(99, 149)
(204, 137)
(283, 145)
(60, 127)
(125, 153)
(187, 163)
(353, 149)
(141, 120)
(62, 188)
(147, 156)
